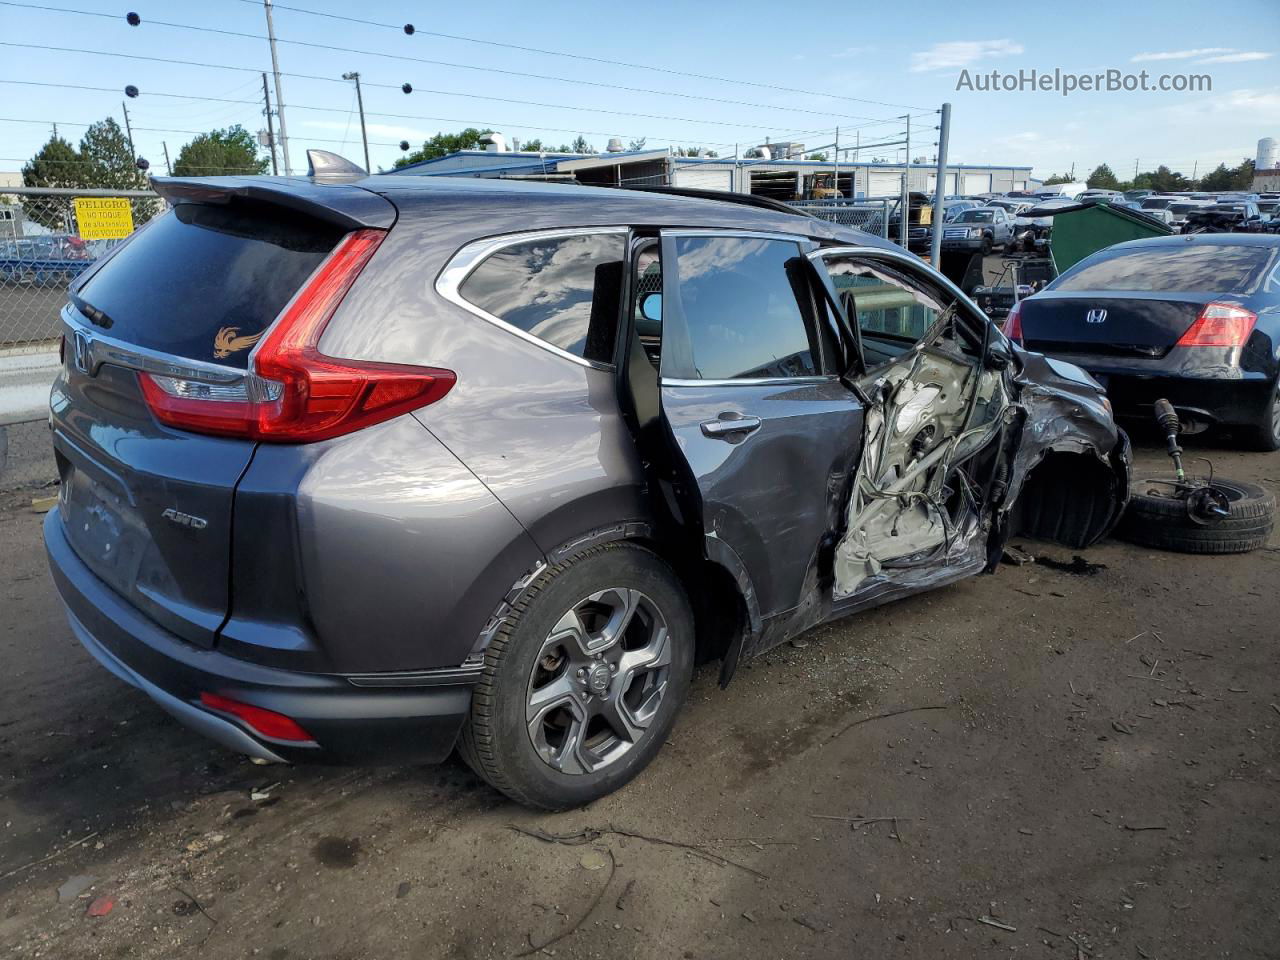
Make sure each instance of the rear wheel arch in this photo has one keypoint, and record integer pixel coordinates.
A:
(718, 587)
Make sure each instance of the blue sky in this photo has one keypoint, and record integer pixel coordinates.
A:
(900, 56)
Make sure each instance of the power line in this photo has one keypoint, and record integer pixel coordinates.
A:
(451, 65)
(589, 59)
(396, 116)
(396, 86)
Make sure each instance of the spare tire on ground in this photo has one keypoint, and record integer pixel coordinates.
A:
(1157, 517)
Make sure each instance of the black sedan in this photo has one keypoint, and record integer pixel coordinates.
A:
(1195, 319)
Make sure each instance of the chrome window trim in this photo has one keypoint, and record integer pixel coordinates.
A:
(747, 382)
(803, 240)
(102, 349)
(463, 263)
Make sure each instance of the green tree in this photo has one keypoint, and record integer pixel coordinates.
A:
(56, 164)
(220, 153)
(109, 162)
(443, 144)
(1102, 178)
(1220, 178)
(817, 156)
(1058, 178)
(533, 146)
(637, 144)
(580, 145)
(1161, 180)
(693, 152)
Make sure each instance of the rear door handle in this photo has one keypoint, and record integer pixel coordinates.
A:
(730, 426)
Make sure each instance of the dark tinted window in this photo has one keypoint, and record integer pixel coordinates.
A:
(976, 216)
(1176, 269)
(738, 316)
(564, 290)
(203, 282)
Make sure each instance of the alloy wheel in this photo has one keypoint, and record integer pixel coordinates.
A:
(598, 681)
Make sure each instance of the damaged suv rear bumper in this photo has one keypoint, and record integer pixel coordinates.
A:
(366, 719)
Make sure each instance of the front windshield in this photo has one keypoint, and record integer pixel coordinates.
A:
(976, 216)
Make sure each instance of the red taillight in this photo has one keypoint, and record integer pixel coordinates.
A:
(266, 722)
(1013, 323)
(294, 393)
(1220, 325)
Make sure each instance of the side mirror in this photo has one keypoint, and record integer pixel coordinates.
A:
(999, 355)
(651, 307)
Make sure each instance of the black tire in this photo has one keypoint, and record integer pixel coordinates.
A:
(1265, 434)
(986, 245)
(1155, 519)
(495, 740)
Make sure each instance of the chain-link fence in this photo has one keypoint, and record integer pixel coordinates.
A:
(48, 237)
(869, 216)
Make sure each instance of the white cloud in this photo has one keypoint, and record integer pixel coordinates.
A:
(1245, 56)
(961, 53)
(1180, 54)
(848, 52)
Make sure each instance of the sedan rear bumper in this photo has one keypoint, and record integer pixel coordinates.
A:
(368, 719)
(1213, 402)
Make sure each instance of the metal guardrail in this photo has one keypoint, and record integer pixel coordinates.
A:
(48, 237)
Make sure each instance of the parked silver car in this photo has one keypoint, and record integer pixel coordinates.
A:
(361, 468)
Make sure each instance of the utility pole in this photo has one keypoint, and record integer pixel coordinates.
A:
(353, 75)
(271, 133)
(835, 178)
(168, 168)
(906, 187)
(275, 69)
(128, 131)
(944, 134)
(1135, 168)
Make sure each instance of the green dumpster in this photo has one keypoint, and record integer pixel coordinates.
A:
(1088, 228)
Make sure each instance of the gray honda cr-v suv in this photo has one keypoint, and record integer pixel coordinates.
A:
(366, 468)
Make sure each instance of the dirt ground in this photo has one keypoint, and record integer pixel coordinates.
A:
(1054, 765)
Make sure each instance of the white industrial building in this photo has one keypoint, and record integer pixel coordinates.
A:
(782, 178)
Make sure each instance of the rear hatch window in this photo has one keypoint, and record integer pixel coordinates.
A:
(1173, 269)
(205, 281)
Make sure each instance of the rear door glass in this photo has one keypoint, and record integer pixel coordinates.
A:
(742, 309)
(563, 290)
(204, 281)
(1209, 268)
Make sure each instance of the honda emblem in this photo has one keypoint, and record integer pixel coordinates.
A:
(1096, 315)
(82, 351)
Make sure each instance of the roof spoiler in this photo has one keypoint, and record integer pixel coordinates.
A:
(340, 203)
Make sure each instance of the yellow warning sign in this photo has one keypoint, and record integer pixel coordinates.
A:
(103, 218)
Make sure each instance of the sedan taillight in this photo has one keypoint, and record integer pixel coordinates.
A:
(292, 392)
(1013, 323)
(1220, 325)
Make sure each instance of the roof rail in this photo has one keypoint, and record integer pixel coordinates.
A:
(724, 196)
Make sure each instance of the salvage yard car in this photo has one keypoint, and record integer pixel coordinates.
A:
(1192, 319)
(360, 468)
(979, 230)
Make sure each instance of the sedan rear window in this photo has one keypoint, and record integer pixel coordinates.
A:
(1173, 269)
(563, 290)
(203, 281)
